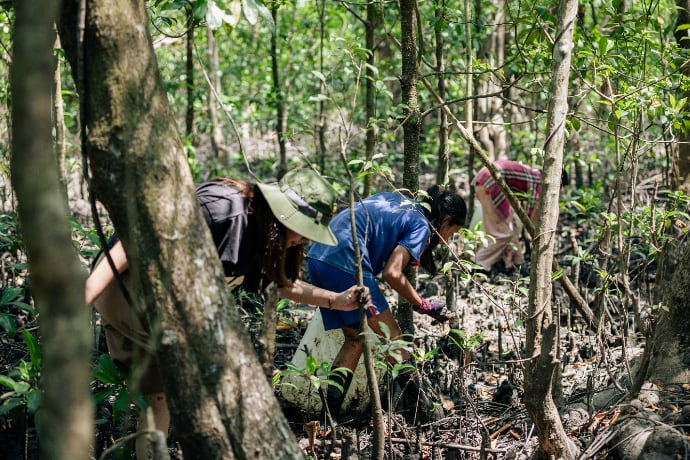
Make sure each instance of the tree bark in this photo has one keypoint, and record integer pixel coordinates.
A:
(57, 278)
(220, 401)
(281, 116)
(411, 129)
(370, 25)
(671, 345)
(189, 79)
(681, 166)
(443, 152)
(59, 122)
(665, 359)
(217, 140)
(491, 132)
(321, 127)
(471, 85)
(541, 373)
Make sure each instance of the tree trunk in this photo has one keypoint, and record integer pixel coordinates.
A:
(370, 24)
(681, 166)
(220, 401)
(671, 346)
(321, 131)
(443, 150)
(411, 129)
(57, 278)
(279, 96)
(59, 122)
(470, 87)
(217, 140)
(541, 372)
(189, 79)
(491, 132)
(665, 360)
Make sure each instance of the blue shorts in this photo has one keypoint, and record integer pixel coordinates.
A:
(328, 277)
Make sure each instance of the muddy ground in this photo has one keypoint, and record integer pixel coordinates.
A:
(479, 389)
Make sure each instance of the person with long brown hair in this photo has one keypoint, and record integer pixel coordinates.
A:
(259, 231)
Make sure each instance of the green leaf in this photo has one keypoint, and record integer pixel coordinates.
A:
(10, 404)
(10, 294)
(605, 44)
(254, 10)
(101, 395)
(34, 350)
(251, 11)
(33, 400)
(24, 306)
(106, 371)
(8, 382)
(20, 388)
(318, 98)
(215, 16)
(199, 8)
(374, 69)
(121, 404)
(8, 324)
(266, 15)
(312, 365)
(319, 75)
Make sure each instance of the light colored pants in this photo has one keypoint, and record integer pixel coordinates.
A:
(506, 232)
(129, 342)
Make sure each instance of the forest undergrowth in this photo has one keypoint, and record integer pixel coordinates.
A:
(472, 366)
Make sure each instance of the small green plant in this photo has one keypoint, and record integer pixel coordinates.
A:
(317, 373)
(12, 298)
(250, 299)
(113, 382)
(584, 203)
(86, 241)
(465, 342)
(387, 349)
(10, 236)
(23, 381)
(474, 239)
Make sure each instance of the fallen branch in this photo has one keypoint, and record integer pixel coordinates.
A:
(452, 445)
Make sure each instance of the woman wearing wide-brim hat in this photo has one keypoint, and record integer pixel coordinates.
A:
(259, 231)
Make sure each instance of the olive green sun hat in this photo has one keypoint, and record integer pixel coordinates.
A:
(304, 202)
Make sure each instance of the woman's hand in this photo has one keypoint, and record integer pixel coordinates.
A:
(351, 298)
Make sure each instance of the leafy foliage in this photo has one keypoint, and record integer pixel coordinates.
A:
(23, 381)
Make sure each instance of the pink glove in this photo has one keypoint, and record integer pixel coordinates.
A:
(436, 310)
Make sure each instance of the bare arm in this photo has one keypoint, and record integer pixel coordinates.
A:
(103, 275)
(394, 276)
(304, 292)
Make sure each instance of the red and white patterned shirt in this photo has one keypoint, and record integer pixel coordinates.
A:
(521, 179)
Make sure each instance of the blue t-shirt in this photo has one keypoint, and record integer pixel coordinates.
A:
(384, 221)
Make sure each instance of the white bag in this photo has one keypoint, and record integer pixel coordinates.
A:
(323, 346)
